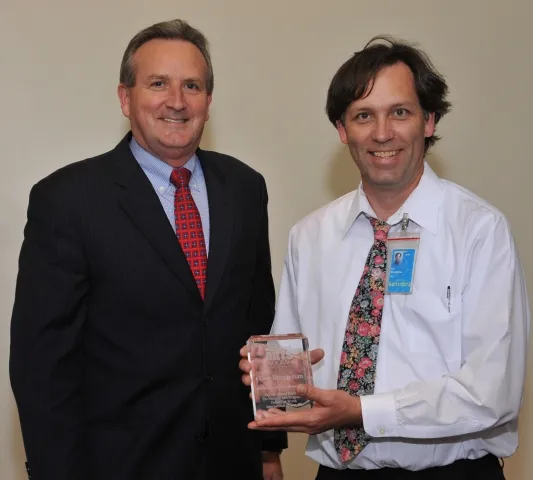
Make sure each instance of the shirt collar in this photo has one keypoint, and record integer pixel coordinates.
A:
(156, 168)
(422, 205)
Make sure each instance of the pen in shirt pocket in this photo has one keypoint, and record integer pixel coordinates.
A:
(448, 296)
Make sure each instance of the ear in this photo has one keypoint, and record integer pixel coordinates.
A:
(342, 132)
(124, 97)
(429, 124)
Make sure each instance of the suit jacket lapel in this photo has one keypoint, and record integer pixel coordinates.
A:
(139, 200)
(220, 220)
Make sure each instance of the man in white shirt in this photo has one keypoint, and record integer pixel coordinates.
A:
(421, 385)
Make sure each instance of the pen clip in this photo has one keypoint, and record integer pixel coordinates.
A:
(448, 296)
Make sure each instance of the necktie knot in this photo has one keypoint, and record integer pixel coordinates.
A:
(180, 177)
(381, 228)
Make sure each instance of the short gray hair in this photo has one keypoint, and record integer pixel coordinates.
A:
(171, 30)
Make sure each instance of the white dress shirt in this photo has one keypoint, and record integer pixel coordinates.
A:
(449, 376)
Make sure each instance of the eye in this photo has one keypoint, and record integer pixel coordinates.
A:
(192, 86)
(362, 117)
(400, 112)
(158, 84)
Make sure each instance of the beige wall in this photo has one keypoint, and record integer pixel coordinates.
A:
(273, 61)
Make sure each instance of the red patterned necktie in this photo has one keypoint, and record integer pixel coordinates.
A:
(359, 350)
(189, 227)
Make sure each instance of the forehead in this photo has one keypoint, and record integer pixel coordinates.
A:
(392, 85)
(169, 57)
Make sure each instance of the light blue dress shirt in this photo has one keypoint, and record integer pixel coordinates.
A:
(158, 172)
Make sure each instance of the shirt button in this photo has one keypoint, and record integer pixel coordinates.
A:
(208, 378)
(382, 431)
(161, 189)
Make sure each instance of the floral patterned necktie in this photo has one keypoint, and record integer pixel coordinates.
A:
(359, 350)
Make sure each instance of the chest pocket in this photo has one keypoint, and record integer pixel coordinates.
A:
(434, 325)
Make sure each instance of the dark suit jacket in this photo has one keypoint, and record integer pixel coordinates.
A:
(120, 371)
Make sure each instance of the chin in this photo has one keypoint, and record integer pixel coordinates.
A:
(181, 142)
(385, 178)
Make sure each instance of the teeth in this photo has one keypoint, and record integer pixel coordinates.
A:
(385, 154)
(171, 120)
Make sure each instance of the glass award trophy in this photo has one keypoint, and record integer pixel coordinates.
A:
(279, 363)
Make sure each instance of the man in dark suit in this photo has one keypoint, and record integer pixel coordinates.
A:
(142, 272)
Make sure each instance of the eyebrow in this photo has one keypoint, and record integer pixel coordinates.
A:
(194, 79)
(155, 76)
(403, 104)
(164, 76)
(407, 104)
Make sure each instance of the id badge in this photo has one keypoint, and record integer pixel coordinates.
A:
(402, 249)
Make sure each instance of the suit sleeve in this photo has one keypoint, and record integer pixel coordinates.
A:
(46, 328)
(263, 302)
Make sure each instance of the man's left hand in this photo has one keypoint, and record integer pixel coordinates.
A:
(332, 409)
(272, 466)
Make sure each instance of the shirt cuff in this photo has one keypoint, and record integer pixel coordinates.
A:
(379, 415)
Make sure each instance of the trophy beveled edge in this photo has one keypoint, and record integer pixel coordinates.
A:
(275, 336)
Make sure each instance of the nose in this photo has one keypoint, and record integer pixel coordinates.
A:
(383, 131)
(175, 98)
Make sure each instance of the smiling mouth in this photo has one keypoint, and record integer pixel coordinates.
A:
(173, 120)
(390, 153)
